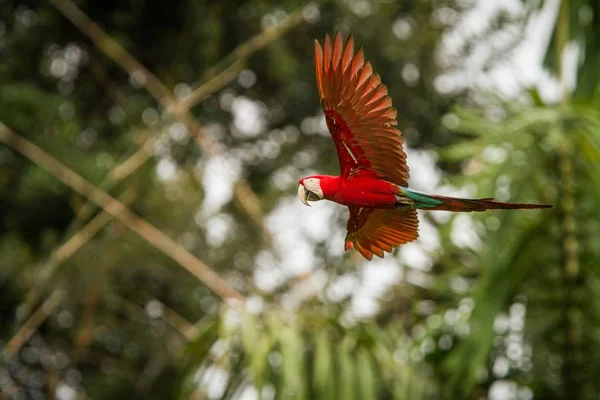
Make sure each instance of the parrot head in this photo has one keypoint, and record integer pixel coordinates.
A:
(310, 190)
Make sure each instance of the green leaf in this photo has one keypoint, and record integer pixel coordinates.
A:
(535, 97)
(258, 343)
(367, 379)
(324, 368)
(294, 383)
(249, 331)
(347, 376)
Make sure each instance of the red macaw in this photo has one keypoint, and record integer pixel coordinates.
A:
(373, 182)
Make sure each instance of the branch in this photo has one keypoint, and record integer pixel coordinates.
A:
(185, 328)
(203, 91)
(240, 53)
(15, 344)
(228, 66)
(67, 249)
(79, 239)
(118, 210)
(133, 162)
(114, 50)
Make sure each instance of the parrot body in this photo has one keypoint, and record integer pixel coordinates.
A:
(377, 193)
(373, 180)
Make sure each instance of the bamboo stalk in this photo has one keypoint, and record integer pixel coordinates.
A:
(118, 210)
(24, 333)
(240, 53)
(114, 51)
(211, 86)
(67, 249)
(228, 67)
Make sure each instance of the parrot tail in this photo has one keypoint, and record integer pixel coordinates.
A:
(455, 204)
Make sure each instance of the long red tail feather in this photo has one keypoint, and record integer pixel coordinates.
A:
(465, 205)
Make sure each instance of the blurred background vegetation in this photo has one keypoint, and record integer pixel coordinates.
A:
(214, 282)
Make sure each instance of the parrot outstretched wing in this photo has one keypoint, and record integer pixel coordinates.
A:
(373, 231)
(359, 113)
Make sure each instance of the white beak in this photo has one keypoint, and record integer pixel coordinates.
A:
(303, 194)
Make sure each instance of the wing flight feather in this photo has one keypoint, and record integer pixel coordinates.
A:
(359, 113)
(375, 231)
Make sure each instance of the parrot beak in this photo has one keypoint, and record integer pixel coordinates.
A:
(306, 195)
(303, 194)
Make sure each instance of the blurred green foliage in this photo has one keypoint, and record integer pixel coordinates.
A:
(511, 312)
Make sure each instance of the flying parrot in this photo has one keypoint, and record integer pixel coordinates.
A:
(373, 180)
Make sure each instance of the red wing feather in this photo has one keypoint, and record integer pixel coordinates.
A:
(359, 113)
(373, 231)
